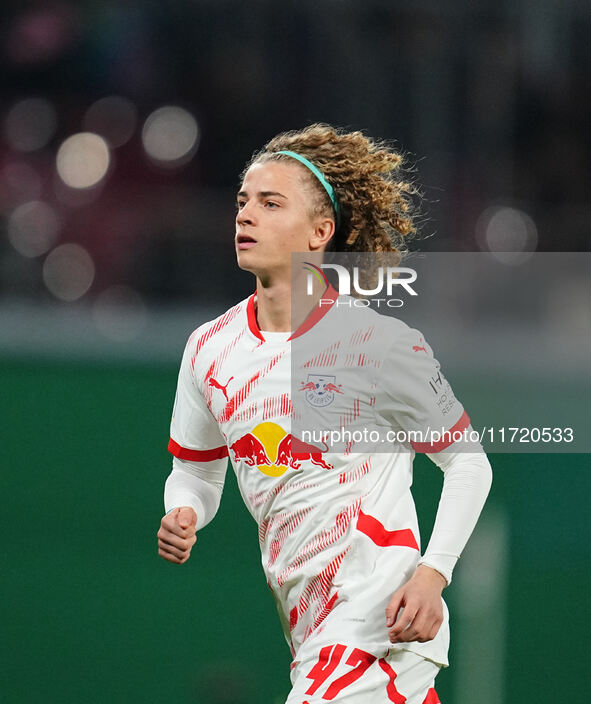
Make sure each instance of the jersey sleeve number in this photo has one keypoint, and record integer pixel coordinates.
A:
(359, 660)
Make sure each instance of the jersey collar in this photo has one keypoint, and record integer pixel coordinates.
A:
(328, 299)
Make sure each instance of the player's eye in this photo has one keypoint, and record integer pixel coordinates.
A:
(240, 204)
(271, 204)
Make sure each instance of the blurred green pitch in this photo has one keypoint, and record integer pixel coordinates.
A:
(90, 613)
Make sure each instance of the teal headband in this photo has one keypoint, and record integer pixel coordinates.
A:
(319, 175)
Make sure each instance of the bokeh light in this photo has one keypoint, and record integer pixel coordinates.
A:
(114, 118)
(508, 233)
(33, 228)
(119, 313)
(83, 160)
(170, 136)
(38, 34)
(30, 124)
(68, 272)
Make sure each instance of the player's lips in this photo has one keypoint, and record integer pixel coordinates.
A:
(245, 241)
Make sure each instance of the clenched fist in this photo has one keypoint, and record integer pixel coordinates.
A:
(177, 536)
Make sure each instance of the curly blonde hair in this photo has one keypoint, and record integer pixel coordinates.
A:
(375, 201)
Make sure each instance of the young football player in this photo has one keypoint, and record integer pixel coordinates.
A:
(360, 606)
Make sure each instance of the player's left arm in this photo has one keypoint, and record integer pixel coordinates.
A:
(466, 483)
(419, 398)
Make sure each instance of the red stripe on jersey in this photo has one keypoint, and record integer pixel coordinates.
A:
(325, 358)
(371, 527)
(328, 298)
(218, 325)
(355, 474)
(276, 406)
(325, 611)
(252, 318)
(241, 395)
(293, 618)
(321, 541)
(360, 336)
(351, 414)
(320, 587)
(432, 697)
(279, 528)
(447, 439)
(259, 498)
(316, 596)
(184, 453)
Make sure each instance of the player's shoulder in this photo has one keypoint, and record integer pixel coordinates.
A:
(351, 313)
(229, 323)
(388, 335)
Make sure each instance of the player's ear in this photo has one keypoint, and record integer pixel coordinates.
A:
(323, 232)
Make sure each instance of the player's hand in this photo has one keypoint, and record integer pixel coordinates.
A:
(422, 607)
(177, 536)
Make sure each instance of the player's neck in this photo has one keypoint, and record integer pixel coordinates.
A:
(277, 311)
(273, 307)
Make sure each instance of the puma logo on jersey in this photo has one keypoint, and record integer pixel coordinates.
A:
(416, 348)
(221, 387)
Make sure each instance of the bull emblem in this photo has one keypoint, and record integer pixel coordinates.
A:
(320, 389)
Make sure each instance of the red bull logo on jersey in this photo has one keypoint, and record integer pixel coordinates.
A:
(273, 451)
(320, 389)
(250, 449)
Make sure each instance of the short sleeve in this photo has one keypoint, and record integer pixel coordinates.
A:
(415, 397)
(194, 433)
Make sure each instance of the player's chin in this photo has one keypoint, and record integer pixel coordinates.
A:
(248, 261)
(244, 261)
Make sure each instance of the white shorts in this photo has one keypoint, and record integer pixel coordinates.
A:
(348, 675)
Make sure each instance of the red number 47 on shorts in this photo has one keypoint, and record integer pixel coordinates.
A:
(359, 661)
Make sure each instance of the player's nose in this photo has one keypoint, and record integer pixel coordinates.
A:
(245, 216)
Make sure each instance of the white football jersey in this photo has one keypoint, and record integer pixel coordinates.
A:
(337, 528)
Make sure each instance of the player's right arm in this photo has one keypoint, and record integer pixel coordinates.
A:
(193, 489)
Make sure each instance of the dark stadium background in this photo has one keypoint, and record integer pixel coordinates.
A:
(100, 286)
